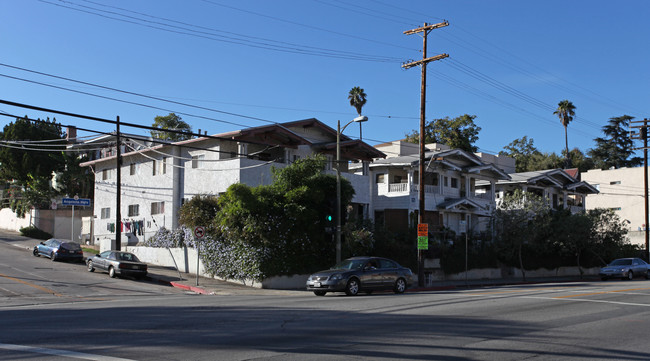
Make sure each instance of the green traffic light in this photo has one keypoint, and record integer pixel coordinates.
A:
(329, 218)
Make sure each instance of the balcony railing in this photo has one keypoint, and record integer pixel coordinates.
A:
(398, 187)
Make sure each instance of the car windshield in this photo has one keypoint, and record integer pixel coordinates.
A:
(127, 257)
(350, 264)
(621, 262)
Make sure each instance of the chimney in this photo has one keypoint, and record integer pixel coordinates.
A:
(71, 134)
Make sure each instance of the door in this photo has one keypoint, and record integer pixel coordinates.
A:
(370, 275)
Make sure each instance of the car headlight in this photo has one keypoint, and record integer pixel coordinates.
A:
(336, 276)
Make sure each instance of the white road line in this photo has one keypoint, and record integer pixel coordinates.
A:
(587, 300)
(64, 353)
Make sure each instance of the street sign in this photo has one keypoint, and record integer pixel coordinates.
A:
(423, 236)
(423, 230)
(423, 243)
(76, 202)
(199, 232)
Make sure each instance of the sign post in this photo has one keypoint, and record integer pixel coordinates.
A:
(76, 201)
(199, 233)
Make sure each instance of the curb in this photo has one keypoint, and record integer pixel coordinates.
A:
(187, 288)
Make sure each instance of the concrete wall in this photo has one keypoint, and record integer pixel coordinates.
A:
(56, 222)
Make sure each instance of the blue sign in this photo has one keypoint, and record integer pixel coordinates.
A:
(75, 202)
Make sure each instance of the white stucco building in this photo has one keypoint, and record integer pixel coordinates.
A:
(155, 181)
(621, 190)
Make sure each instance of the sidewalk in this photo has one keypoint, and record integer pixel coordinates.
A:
(212, 286)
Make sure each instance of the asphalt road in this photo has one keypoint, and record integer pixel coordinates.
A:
(58, 311)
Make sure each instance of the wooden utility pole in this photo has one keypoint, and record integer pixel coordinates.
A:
(643, 135)
(423, 91)
(118, 183)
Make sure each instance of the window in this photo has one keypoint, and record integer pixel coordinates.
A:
(615, 182)
(446, 182)
(153, 167)
(157, 207)
(105, 213)
(197, 161)
(164, 165)
(132, 169)
(380, 178)
(105, 174)
(454, 183)
(134, 210)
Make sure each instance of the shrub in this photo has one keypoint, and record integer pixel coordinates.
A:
(34, 232)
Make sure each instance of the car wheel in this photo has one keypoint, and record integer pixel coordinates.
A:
(111, 272)
(90, 266)
(53, 256)
(320, 293)
(352, 288)
(400, 286)
(35, 252)
(630, 275)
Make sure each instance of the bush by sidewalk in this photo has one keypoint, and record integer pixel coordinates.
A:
(34, 232)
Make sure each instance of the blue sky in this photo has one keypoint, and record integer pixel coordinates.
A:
(252, 62)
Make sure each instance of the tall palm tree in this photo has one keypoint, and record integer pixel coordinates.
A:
(357, 98)
(566, 111)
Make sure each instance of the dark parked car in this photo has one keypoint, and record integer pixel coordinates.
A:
(118, 263)
(625, 268)
(58, 249)
(361, 274)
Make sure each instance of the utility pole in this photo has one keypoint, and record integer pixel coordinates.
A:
(643, 135)
(423, 91)
(118, 195)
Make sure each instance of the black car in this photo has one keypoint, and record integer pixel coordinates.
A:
(58, 249)
(361, 274)
(118, 263)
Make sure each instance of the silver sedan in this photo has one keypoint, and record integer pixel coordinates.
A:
(118, 263)
(625, 268)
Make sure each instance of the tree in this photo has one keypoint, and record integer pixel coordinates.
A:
(615, 148)
(457, 133)
(565, 111)
(171, 122)
(357, 98)
(518, 221)
(522, 150)
(30, 168)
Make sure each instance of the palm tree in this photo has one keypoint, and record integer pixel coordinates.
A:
(566, 111)
(357, 98)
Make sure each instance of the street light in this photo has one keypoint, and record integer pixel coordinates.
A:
(359, 119)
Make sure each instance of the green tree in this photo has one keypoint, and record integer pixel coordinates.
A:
(565, 111)
(615, 149)
(607, 235)
(199, 211)
(30, 168)
(283, 224)
(171, 122)
(518, 220)
(357, 98)
(457, 133)
(523, 150)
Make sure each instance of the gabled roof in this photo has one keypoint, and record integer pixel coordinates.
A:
(273, 134)
(352, 149)
(550, 178)
(460, 204)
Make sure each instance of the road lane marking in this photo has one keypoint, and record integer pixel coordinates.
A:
(587, 300)
(602, 293)
(64, 353)
(47, 290)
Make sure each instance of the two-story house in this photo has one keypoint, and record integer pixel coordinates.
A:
(459, 187)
